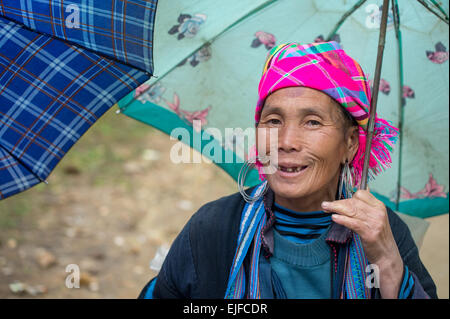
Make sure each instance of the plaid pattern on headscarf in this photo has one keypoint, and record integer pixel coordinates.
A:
(327, 68)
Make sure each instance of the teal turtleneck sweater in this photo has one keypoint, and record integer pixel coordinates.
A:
(301, 262)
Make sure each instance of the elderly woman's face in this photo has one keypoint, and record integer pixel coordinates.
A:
(313, 141)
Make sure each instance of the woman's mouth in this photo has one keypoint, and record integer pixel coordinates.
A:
(291, 171)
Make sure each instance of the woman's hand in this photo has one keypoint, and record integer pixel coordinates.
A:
(367, 216)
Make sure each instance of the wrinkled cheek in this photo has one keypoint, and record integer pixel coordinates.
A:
(321, 168)
(318, 171)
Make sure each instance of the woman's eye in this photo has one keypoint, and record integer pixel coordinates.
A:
(313, 123)
(274, 121)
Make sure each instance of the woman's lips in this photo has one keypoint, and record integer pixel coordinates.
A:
(290, 170)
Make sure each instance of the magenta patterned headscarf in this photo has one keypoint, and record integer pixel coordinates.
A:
(327, 68)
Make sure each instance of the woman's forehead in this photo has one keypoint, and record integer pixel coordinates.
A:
(301, 98)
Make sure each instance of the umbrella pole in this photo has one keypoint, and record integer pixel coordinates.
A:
(376, 85)
(443, 18)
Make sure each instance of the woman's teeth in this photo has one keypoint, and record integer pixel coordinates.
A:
(290, 169)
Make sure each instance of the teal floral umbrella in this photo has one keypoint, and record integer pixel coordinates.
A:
(209, 57)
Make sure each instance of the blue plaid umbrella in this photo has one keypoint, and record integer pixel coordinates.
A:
(62, 66)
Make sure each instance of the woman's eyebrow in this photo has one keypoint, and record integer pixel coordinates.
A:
(271, 109)
(311, 111)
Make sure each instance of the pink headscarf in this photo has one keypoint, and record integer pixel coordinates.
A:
(327, 68)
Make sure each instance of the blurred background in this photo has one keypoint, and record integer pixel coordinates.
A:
(114, 200)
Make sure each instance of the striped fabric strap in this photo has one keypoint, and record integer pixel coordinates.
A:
(355, 274)
(252, 221)
(407, 287)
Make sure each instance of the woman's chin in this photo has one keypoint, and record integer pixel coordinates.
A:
(290, 191)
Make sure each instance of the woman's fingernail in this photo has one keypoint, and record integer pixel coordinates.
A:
(325, 204)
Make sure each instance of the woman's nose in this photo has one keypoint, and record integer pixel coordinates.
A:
(289, 139)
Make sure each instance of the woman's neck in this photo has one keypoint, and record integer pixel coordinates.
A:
(310, 203)
(298, 205)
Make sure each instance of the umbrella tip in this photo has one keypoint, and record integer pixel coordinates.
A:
(45, 181)
(118, 111)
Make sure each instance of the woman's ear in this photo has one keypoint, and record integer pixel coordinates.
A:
(352, 140)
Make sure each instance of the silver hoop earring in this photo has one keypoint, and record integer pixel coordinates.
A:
(346, 182)
(249, 164)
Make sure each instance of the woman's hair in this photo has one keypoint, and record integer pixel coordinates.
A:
(349, 120)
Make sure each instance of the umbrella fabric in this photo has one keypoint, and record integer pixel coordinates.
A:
(62, 66)
(213, 76)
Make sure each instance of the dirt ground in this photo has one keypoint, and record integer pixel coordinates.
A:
(434, 253)
(113, 200)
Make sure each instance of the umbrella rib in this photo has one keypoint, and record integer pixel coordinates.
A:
(374, 100)
(440, 8)
(401, 109)
(344, 17)
(23, 164)
(79, 46)
(423, 3)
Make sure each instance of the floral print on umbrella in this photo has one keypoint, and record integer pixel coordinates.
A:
(196, 116)
(408, 93)
(202, 55)
(188, 115)
(374, 18)
(154, 94)
(175, 105)
(188, 25)
(431, 190)
(384, 87)
(262, 37)
(335, 37)
(149, 93)
(440, 55)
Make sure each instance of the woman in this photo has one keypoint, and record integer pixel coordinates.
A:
(302, 233)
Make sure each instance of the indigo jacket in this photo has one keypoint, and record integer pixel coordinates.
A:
(199, 260)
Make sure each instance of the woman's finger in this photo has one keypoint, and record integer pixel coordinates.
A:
(367, 197)
(348, 207)
(349, 222)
